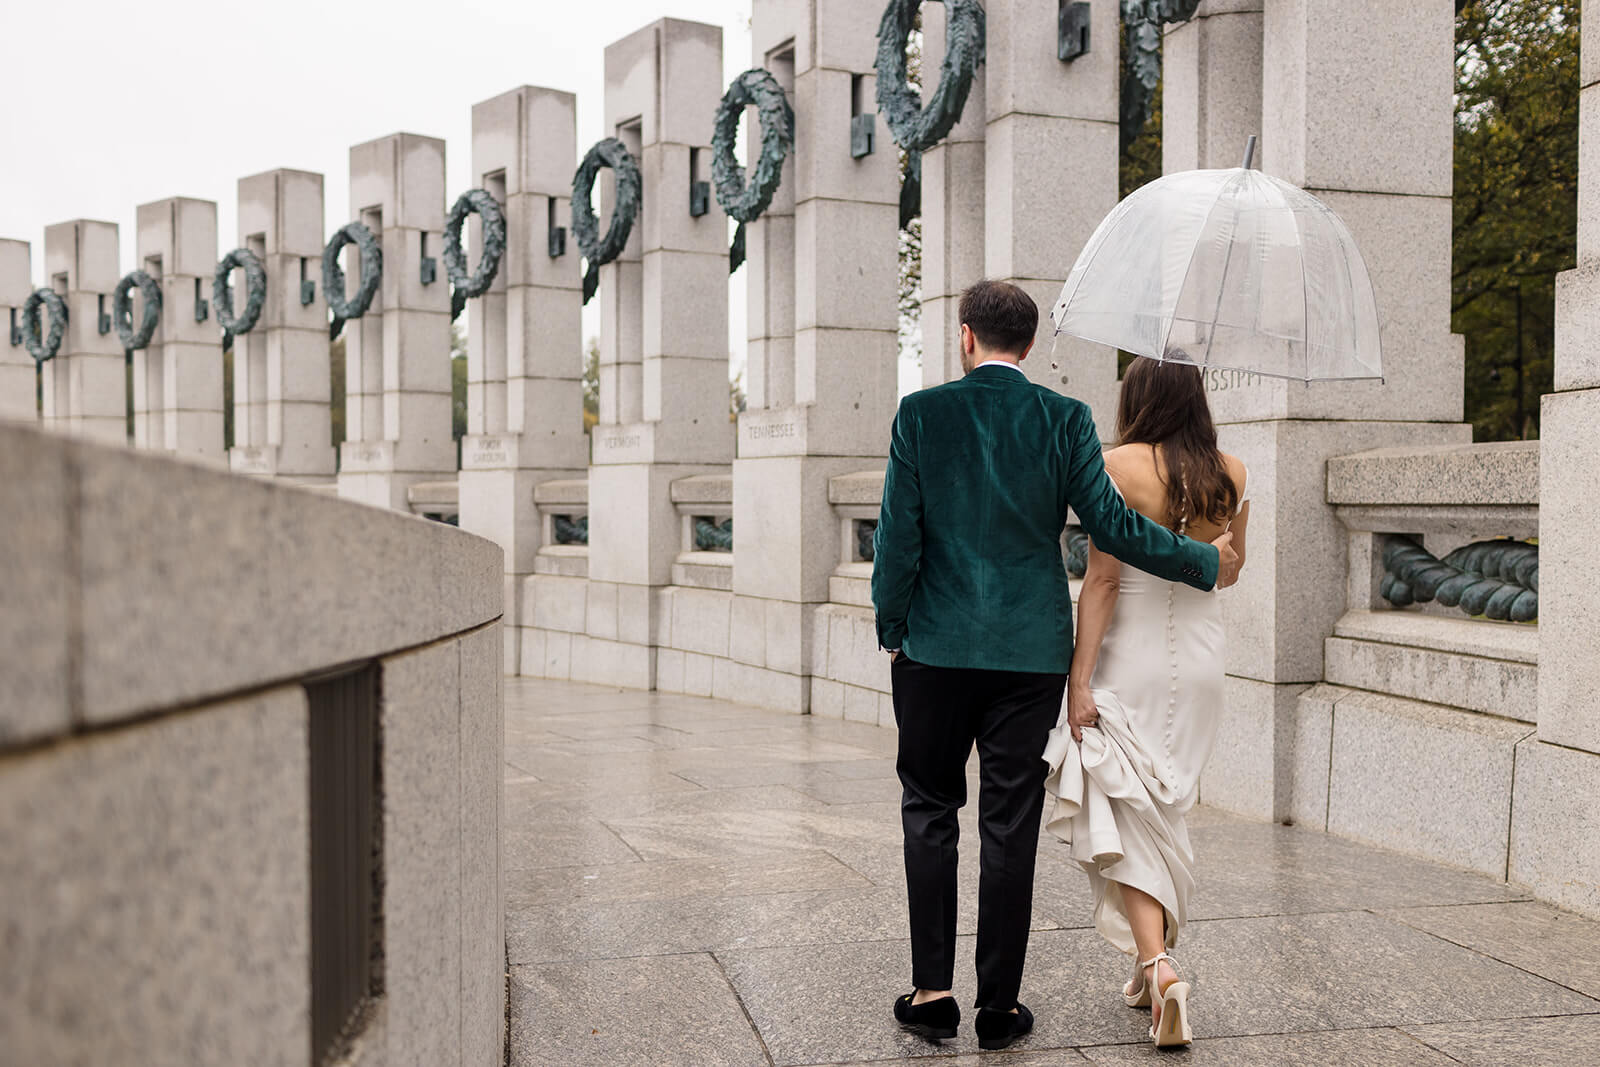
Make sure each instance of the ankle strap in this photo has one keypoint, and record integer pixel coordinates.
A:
(1157, 959)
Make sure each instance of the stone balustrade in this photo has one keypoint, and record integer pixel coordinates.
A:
(702, 501)
(1421, 702)
(238, 719)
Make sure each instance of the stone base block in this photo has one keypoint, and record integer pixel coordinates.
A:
(1569, 608)
(1421, 778)
(1495, 686)
(1555, 832)
(837, 700)
(1251, 770)
(1310, 756)
(847, 648)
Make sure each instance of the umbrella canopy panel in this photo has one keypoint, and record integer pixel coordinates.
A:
(1227, 268)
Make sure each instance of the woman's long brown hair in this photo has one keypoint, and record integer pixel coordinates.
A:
(1164, 404)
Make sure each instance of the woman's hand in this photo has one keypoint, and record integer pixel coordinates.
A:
(1081, 711)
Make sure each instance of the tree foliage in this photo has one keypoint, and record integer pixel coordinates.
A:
(1516, 187)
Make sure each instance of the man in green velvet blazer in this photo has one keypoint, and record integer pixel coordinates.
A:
(970, 592)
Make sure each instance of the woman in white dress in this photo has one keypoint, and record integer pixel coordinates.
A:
(1146, 684)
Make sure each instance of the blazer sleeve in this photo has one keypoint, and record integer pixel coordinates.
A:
(1121, 531)
(897, 543)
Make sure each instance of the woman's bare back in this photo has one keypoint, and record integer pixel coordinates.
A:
(1140, 471)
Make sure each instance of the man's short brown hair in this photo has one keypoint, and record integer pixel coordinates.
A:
(1000, 315)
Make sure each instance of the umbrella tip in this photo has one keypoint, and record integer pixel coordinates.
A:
(1249, 151)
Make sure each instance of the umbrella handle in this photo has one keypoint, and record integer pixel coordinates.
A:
(1249, 152)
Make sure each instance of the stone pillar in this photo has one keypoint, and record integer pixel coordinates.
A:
(85, 385)
(1050, 176)
(664, 354)
(397, 356)
(281, 382)
(1326, 67)
(178, 376)
(1208, 111)
(846, 217)
(1558, 773)
(18, 377)
(952, 213)
(769, 260)
(525, 344)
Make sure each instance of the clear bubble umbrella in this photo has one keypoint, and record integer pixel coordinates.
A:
(1231, 269)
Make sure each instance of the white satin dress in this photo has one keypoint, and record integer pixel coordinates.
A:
(1120, 796)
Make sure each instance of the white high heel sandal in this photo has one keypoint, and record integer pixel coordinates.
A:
(1173, 1029)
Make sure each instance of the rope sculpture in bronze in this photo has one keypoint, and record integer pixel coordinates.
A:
(1497, 579)
(255, 294)
(122, 309)
(598, 251)
(343, 308)
(464, 286)
(45, 348)
(916, 128)
(743, 200)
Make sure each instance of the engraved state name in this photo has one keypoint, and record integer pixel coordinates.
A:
(779, 429)
(1220, 381)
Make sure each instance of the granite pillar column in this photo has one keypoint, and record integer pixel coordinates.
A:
(18, 376)
(85, 385)
(1050, 176)
(1558, 772)
(525, 342)
(179, 374)
(664, 349)
(846, 213)
(1327, 70)
(282, 387)
(397, 356)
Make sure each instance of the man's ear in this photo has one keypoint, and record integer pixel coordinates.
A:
(1025, 351)
(969, 341)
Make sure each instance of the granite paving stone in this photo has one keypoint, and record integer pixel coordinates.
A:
(1566, 1041)
(773, 873)
(649, 1011)
(1541, 940)
(1327, 1048)
(691, 881)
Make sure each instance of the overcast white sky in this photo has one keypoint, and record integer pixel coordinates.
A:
(110, 105)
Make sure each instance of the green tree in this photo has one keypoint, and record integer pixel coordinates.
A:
(336, 391)
(910, 273)
(458, 383)
(591, 384)
(1516, 182)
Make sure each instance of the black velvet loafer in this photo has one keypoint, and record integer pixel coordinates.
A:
(997, 1029)
(936, 1020)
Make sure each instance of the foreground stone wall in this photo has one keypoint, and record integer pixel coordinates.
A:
(155, 812)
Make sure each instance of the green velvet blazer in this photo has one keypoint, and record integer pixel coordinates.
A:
(967, 564)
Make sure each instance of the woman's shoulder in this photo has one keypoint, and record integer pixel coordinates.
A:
(1133, 468)
(1236, 471)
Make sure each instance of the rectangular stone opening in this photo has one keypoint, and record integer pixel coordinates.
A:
(861, 547)
(713, 534)
(346, 857)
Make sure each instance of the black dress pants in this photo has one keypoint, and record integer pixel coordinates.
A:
(941, 712)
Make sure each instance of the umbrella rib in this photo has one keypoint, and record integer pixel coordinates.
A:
(1227, 261)
(1167, 336)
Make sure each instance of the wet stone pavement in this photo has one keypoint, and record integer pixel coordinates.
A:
(693, 882)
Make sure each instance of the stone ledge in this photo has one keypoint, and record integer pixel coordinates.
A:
(703, 489)
(1471, 637)
(861, 487)
(1493, 686)
(193, 583)
(1500, 473)
(562, 491)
